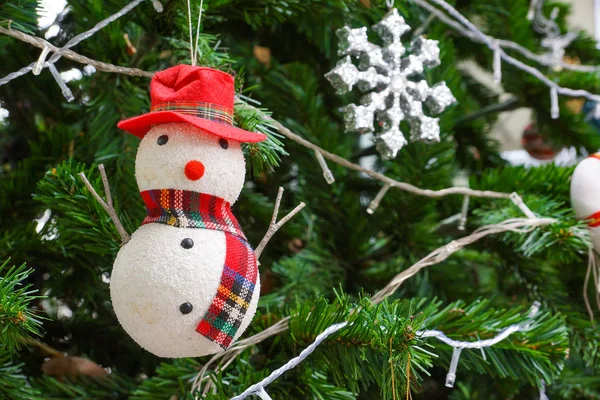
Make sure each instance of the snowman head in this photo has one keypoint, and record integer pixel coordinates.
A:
(181, 156)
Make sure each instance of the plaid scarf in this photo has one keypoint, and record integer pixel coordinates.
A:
(187, 209)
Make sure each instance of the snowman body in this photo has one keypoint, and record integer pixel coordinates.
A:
(585, 195)
(168, 276)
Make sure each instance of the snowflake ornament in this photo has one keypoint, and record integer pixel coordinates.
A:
(394, 93)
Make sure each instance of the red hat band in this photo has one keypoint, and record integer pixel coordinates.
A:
(200, 96)
(200, 109)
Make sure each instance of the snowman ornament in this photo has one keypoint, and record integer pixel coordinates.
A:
(187, 283)
(585, 195)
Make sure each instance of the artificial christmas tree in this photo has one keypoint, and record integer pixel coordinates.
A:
(372, 290)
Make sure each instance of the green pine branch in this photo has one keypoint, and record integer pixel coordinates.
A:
(14, 384)
(18, 322)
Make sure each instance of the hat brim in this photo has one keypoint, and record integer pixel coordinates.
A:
(141, 124)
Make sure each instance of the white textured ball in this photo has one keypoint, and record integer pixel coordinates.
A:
(153, 275)
(585, 192)
(160, 164)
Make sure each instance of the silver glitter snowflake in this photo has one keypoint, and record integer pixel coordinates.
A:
(395, 94)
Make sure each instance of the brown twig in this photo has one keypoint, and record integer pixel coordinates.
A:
(108, 204)
(45, 348)
(275, 225)
(71, 55)
(373, 174)
(519, 225)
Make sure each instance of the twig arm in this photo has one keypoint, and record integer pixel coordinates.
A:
(274, 226)
(277, 205)
(108, 204)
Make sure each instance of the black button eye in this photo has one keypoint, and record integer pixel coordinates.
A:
(187, 243)
(223, 143)
(162, 139)
(186, 308)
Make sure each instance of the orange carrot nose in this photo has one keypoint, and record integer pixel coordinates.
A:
(194, 170)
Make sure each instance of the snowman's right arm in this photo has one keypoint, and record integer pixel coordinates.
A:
(108, 204)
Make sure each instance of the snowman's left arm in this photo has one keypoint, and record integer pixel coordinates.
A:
(275, 225)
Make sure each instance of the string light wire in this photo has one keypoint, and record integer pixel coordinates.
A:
(260, 387)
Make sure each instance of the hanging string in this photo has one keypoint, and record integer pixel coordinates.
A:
(194, 47)
(596, 274)
(189, 9)
(591, 266)
(198, 33)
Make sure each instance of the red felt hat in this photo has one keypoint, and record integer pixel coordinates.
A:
(200, 96)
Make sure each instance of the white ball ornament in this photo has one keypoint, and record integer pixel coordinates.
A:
(186, 284)
(585, 195)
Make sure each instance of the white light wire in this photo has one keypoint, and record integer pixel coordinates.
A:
(458, 345)
(259, 388)
(489, 42)
(539, 58)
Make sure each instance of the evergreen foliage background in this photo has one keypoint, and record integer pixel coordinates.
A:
(328, 259)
